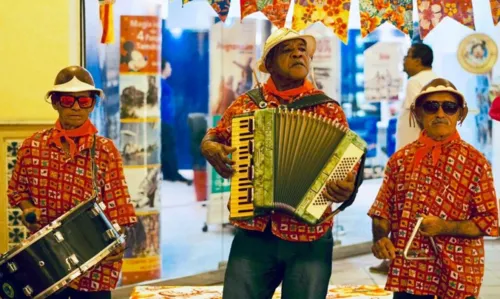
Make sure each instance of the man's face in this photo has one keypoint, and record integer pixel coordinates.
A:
(290, 60)
(439, 114)
(76, 115)
(410, 64)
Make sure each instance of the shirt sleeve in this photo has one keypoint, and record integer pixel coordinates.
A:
(223, 128)
(18, 189)
(115, 191)
(383, 202)
(412, 90)
(485, 204)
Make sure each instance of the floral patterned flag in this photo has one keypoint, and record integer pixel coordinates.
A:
(375, 12)
(431, 12)
(495, 11)
(221, 7)
(274, 10)
(332, 13)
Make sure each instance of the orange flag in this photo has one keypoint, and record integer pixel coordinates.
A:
(106, 16)
(221, 7)
(274, 10)
(374, 13)
(431, 12)
(332, 13)
(495, 11)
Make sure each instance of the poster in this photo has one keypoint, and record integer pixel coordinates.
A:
(326, 61)
(139, 142)
(383, 78)
(232, 58)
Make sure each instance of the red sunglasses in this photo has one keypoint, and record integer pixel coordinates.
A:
(69, 101)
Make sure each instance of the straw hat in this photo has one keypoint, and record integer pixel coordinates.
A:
(281, 35)
(74, 79)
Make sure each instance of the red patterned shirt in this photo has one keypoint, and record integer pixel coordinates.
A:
(458, 187)
(283, 226)
(55, 184)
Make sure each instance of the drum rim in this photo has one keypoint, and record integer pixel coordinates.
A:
(87, 266)
(45, 231)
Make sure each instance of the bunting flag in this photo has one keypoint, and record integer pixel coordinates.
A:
(495, 11)
(274, 10)
(106, 17)
(332, 13)
(374, 13)
(431, 12)
(221, 7)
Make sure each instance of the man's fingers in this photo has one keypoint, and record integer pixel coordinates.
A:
(390, 250)
(351, 177)
(335, 191)
(345, 186)
(226, 160)
(228, 149)
(328, 196)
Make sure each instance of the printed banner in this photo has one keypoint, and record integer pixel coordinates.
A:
(232, 56)
(334, 14)
(374, 13)
(274, 10)
(139, 142)
(221, 7)
(495, 11)
(140, 44)
(431, 12)
(383, 78)
(326, 62)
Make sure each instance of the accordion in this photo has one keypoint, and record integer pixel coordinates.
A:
(283, 160)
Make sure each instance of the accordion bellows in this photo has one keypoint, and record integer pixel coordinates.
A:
(284, 159)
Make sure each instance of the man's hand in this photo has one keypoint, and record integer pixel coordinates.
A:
(116, 255)
(35, 226)
(217, 155)
(340, 191)
(432, 226)
(384, 249)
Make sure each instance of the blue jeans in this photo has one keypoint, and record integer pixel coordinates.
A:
(259, 262)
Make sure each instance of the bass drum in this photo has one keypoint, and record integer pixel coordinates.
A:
(50, 259)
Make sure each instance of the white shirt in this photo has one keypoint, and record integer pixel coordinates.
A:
(404, 133)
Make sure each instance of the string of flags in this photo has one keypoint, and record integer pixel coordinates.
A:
(335, 14)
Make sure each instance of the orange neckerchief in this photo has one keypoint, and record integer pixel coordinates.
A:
(84, 130)
(289, 94)
(433, 146)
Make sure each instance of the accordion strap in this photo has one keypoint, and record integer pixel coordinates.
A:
(257, 96)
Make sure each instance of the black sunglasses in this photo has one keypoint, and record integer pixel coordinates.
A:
(432, 107)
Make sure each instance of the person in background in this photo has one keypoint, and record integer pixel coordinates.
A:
(64, 152)
(449, 184)
(418, 66)
(169, 165)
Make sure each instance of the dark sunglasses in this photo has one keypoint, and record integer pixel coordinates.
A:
(69, 101)
(432, 107)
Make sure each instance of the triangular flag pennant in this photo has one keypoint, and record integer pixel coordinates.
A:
(106, 17)
(332, 13)
(221, 7)
(431, 12)
(274, 10)
(374, 13)
(495, 11)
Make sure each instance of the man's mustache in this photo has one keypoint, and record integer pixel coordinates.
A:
(438, 121)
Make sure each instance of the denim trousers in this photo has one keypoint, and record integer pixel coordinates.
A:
(259, 262)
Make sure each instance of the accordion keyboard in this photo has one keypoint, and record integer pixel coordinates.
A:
(241, 202)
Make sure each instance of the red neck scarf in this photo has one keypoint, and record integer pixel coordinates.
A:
(430, 145)
(289, 94)
(86, 129)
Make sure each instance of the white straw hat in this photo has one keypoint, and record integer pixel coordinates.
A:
(281, 35)
(74, 79)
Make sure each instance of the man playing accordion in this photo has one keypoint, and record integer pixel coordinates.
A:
(437, 198)
(53, 174)
(277, 248)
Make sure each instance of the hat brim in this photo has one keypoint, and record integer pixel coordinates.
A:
(74, 85)
(455, 92)
(310, 48)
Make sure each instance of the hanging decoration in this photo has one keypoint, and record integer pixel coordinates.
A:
(431, 12)
(274, 10)
(374, 13)
(332, 13)
(221, 7)
(106, 17)
(495, 11)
